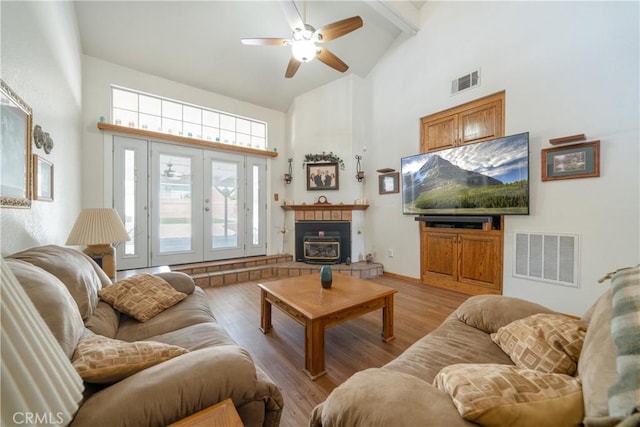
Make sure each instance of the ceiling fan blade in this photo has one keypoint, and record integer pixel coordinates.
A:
(339, 28)
(292, 14)
(265, 42)
(293, 66)
(331, 60)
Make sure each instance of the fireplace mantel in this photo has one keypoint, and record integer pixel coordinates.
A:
(324, 211)
(325, 207)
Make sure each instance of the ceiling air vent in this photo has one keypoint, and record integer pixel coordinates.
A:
(465, 82)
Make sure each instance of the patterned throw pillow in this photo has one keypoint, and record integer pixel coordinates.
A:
(99, 359)
(505, 395)
(142, 296)
(545, 342)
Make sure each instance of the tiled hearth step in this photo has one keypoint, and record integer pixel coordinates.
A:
(265, 267)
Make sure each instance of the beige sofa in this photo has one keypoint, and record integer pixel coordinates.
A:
(402, 393)
(63, 285)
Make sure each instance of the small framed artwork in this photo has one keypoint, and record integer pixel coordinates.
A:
(322, 176)
(389, 183)
(572, 161)
(15, 157)
(42, 179)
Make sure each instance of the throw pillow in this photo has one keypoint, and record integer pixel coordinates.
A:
(142, 296)
(544, 342)
(624, 395)
(505, 395)
(99, 359)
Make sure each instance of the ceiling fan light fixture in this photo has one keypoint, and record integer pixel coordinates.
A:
(304, 50)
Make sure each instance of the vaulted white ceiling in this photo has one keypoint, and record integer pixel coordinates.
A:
(198, 42)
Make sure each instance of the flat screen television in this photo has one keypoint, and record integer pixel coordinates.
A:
(485, 178)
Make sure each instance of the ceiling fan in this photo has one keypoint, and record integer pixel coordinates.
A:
(304, 39)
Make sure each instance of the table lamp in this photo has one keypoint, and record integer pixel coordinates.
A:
(98, 228)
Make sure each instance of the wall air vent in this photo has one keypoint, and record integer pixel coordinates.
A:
(551, 258)
(465, 82)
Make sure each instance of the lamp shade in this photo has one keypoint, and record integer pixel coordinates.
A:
(98, 226)
(37, 379)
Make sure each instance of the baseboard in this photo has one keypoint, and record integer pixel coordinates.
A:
(401, 277)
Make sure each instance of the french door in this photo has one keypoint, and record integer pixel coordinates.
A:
(184, 205)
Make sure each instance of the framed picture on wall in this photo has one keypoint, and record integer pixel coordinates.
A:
(322, 176)
(42, 179)
(389, 183)
(15, 157)
(572, 161)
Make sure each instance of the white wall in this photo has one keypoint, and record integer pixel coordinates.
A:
(40, 57)
(330, 119)
(567, 68)
(99, 75)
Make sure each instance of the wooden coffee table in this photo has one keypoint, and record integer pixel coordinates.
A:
(304, 300)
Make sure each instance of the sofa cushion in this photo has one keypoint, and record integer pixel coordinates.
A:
(378, 397)
(624, 395)
(452, 342)
(104, 320)
(100, 359)
(79, 273)
(166, 393)
(53, 301)
(142, 296)
(181, 282)
(491, 312)
(503, 395)
(192, 310)
(544, 342)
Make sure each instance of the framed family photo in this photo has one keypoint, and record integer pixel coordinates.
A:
(572, 161)
(322, 176)
(42, 179)
(15, 157)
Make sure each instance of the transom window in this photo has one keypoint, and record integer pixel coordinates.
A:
(144, 111)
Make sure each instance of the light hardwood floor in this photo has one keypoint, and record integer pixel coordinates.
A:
(350, 347)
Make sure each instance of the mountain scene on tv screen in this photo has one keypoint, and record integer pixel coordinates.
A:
(484, 178)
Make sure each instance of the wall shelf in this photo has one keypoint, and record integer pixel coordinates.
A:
(185, 140)
(324, 207)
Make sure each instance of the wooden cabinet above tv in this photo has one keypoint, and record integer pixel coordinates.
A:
(475, 121)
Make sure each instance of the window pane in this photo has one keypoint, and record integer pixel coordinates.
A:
(175, 204)
(171, 110)
(243, 126)
(256, 206)
(224, 204)
(258, 129)
(192, 130)
(150, 122)
(130, 200)
(210, 118)
(227, 122)
(192, 114)
(172, 126)
(228, 137)
(150, 105)
(244, 140)
(259, 143)
(125, 117)
(211, 134)
(125, 99)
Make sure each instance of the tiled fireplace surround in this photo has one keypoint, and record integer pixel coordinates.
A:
(281, 265)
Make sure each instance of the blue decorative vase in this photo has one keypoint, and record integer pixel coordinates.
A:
(326, 276)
